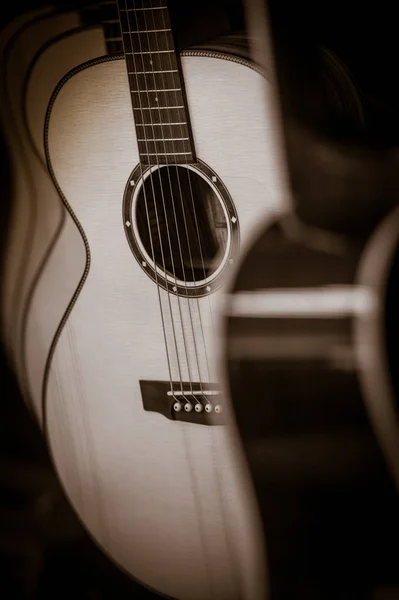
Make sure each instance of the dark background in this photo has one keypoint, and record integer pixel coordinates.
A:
(44, 550)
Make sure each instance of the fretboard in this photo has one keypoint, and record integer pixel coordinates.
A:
(156, 84)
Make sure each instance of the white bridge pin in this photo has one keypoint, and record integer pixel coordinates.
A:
(177, 406)
(208, 407)
(199, 408)
(218, 408)
(188, 407)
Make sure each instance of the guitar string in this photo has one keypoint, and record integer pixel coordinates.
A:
(184, 336)
(194, 483)
(148, 217)
(188, 171)
(216, 466)
(167, 26)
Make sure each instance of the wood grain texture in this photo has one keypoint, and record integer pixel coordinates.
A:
(42, 318)
(170, 502)
(22, 256)
(54, 61)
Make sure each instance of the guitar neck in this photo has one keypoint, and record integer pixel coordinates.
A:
(156, 83)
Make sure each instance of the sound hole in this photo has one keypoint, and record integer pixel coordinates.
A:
(181, 223)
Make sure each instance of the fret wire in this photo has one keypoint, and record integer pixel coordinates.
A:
(160, 124)
(151, 72)
(148, 31)
(131, 9)
(147, 61)
(158, 108)
(146, 47)
(162, 139)
(164, 153)
(151, 51)
(154, 91)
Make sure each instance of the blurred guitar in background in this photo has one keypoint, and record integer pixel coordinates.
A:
(311, 329)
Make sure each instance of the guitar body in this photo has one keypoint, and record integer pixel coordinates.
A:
(57, 57)
(32, 220)
(169, 501)
(40, 321)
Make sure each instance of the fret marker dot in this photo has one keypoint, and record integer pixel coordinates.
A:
(233, 219)
(156, 99)
(127, 223)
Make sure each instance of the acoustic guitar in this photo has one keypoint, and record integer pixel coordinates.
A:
(53, 59)
(50, 62)
(147, 152)
(164, 164)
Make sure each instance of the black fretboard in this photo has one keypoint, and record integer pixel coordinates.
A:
(156, 84)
